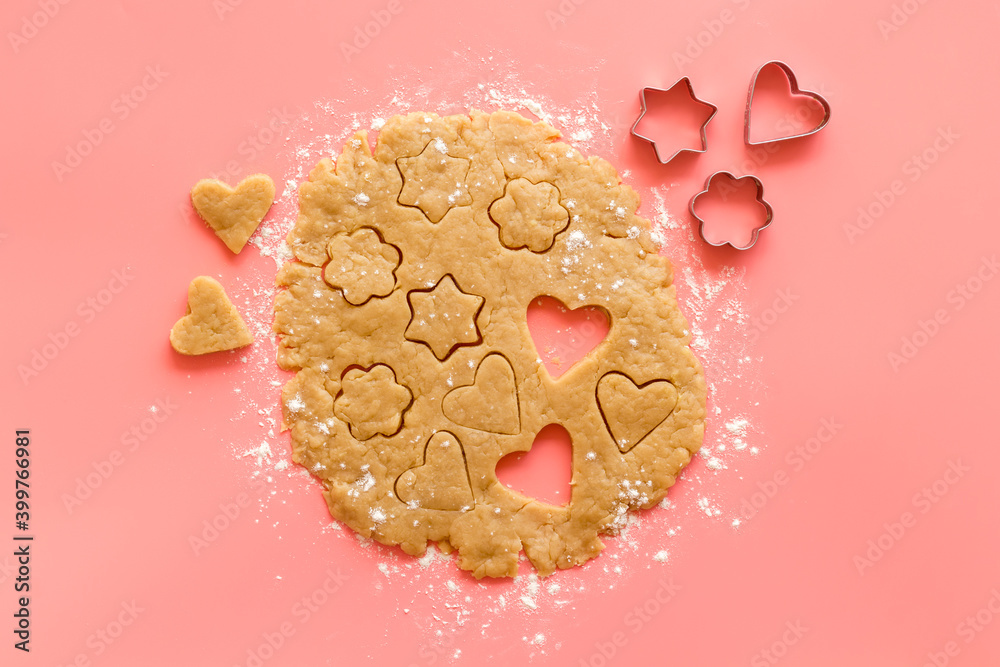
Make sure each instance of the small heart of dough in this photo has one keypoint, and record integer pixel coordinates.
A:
(233, 213)
(630, 411)
(441, 482)
(212, 323)
(490, 402)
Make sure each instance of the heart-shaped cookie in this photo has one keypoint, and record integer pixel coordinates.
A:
(441, 482)
(212, 323)
(490, 402)
(785, 110)
(233, 213)
(632, 411)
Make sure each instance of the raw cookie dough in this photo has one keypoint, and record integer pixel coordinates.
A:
(404, 318)
(212, 323)
(233, 213)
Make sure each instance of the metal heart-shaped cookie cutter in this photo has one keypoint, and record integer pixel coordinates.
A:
(795, 90)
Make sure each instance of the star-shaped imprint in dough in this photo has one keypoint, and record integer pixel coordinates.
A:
(434, 181)
(444, 317)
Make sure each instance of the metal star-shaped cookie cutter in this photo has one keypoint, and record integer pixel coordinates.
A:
(759, 197)
(704, 139)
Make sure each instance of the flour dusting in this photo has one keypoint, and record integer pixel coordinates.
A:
(428, 590)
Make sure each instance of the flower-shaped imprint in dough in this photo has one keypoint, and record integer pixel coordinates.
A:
(529, 215)
(434, 181)
(361, 266)
(372, 402)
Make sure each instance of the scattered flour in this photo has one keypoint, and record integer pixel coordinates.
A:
(261, 453)
(712, 298)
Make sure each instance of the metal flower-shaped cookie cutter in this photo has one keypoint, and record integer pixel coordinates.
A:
(769, 212)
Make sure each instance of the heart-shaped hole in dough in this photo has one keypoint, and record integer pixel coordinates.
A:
(545, 471)
(562, 336)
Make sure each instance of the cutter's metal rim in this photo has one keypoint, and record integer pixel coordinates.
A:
(704, 135)
(794, 85)
(760, 199)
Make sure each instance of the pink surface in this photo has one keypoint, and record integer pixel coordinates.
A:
(851, 354)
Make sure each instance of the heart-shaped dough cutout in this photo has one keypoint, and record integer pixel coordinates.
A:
(632, 411)
(490, 402)
(233, 213)
(212, 323)
(441, 482)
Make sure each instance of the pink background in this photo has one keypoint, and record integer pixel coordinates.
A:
(818, 310)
